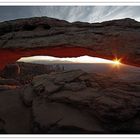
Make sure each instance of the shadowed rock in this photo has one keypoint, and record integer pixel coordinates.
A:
(7, 84)
(15, 116)
(87, 103)
(72, 102)
(11, 71)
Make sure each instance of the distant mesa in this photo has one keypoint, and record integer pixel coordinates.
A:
(59, 38)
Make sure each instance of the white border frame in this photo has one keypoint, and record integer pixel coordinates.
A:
(69, 3)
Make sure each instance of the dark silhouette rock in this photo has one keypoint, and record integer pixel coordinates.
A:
(7, 84)
(11, 71)
(15, 115)
(2, 124)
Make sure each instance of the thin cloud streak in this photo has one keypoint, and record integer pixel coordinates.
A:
(71, 13)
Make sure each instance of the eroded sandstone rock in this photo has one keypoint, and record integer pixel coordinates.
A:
(111, 108)
(72, 102)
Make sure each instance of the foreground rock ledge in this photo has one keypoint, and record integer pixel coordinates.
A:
(48, 36)
(72, 102)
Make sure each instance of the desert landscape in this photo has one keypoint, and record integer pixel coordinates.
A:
(42, 97)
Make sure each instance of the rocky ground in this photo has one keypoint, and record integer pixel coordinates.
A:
(71, 102)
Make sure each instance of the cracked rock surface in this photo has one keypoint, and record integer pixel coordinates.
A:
(72, 102)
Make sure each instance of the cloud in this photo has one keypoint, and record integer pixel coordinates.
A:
(71, 13)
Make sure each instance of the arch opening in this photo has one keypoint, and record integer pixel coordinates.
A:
(12, 55)
(80, 59)
(29, 65)
(85, 63)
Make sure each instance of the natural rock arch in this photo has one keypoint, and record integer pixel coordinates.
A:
(48, 36)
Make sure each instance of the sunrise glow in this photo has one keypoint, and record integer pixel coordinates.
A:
(117, 61)
(81, 59)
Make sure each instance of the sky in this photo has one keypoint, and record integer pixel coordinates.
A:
(71, 13)
(81, 59)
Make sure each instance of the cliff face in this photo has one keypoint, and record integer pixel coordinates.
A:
(48, 36)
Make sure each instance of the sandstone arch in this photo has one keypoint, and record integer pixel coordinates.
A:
(48, 36)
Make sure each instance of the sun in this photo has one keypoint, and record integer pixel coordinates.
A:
(117, 62)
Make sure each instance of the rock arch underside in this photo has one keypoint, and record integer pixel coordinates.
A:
(34, 99)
